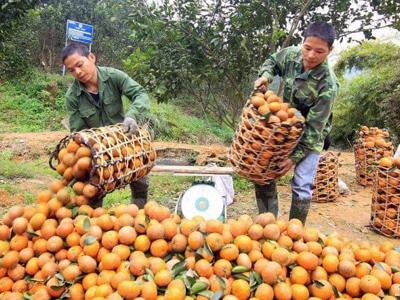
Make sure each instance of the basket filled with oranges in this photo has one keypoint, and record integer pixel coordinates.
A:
(268, 132)
(99, 160)
(326, 181)
(371, 145)
(385, 207)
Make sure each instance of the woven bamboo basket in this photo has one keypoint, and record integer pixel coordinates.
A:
(385, 207)
(113, 158)
(262, 142)
(370, 146)
(326, 182)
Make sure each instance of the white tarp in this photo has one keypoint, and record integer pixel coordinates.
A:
(224, 185)
(397, 154)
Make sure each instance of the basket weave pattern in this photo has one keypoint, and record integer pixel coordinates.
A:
(259, 148)
(117, 158)
(385, 207)
(326, 182)
(370, 146)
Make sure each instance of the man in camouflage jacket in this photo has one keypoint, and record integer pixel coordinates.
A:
(95, 99)
(310, 85)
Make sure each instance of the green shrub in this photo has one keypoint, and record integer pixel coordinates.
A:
(170, 123)
(370, 98)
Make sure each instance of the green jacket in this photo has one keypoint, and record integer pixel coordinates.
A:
(312, 93)
(83, 111)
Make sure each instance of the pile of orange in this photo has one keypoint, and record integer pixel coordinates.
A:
(50, 252)
(371, 145)
(274, 109)
(268, 131)
(95, 161)
(385, 208)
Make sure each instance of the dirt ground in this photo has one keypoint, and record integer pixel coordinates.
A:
(348, 215)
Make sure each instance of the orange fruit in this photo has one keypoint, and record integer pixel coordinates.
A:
(215, 241)
(370, 284)
(195, 240)
(330, 263)
(159, 248)
(321, 289)
(338, 281)
(386, 162)
(347, 268)
(353, 287)
(299, 292)
(264, 291)
(243, 243)
(272, 232)
(282, 291)
(44, 196)
(271, 272)
(241, 289)
(257, 101)
(87, 264)
(179, 242)
(129, 289)
(162, 278)
(229, 252)
(149, 290)
(110, 261)
(274, 106)
(280, 255)
(71, 272)
(203, 268)
(263, 109)
(307, 260)
(222, 268)
(299, 275)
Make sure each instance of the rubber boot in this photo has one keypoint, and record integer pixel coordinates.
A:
(299, 210)
(139, 191)
(267, 198)
(97, 202)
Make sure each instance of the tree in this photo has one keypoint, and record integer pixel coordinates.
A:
(38, 39)
(210, 52)
(370, 98)
(11, 12)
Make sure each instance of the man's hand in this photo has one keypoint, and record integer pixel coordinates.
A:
(285, 167)
(261, 84)
(130, 125)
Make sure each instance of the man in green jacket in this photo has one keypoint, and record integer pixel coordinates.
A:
(310, 85)
(95, 99)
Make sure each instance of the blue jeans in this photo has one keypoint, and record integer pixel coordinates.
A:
(303, 178)
(302, 182)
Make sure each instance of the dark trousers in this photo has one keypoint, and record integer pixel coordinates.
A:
(139, 191)
(267, 198)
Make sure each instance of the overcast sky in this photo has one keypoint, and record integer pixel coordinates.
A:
(384, 34)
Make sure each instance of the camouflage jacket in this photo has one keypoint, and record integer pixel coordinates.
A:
(312, 93)
(85, 113)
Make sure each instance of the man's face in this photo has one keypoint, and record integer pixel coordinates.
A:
(81, 67)
(315, 51)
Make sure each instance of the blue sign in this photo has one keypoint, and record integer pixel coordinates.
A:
(79, 32)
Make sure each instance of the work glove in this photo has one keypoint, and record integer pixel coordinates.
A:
(261, 84)
(130, 125)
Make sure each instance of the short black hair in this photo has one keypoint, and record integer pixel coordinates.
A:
(322, 30)
(73, 48)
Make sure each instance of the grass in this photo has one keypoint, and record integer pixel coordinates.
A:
(28, 105)
(170, 123)
(12, 169)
